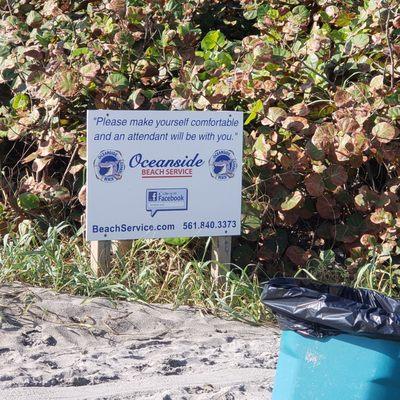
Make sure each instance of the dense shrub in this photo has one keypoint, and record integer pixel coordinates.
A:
(318, 80)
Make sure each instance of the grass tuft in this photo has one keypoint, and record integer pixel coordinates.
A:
(152, 272)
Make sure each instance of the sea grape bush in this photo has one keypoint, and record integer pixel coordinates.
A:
(318, 81)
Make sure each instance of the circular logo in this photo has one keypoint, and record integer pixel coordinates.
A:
(109, 166)
(223, 164)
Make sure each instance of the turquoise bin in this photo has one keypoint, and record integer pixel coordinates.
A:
(343, 367)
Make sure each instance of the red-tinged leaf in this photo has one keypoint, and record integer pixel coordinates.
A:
(326, 207)
(89, 71)
(118, 6)
(67, 83)
(300, 109)
(323, 137)
(296, 124)
(289, 218)
(368, 240)
(342, 98)
(380, 216)
(337, 175)
(290, 180)
(347, 125)
(314, 184)
(297, 255)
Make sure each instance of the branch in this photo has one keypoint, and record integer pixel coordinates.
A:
(390, 47)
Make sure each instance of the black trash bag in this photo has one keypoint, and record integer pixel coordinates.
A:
(316, 309)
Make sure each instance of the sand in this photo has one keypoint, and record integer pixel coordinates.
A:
(57, 346)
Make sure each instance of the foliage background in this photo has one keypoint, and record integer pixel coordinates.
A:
(318, 80)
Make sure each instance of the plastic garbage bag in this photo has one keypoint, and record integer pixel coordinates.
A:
(317, 309)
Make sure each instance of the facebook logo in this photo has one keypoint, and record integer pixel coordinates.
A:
(166, 199)
(152, 195)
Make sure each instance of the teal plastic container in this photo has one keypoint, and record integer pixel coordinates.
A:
(343, 367)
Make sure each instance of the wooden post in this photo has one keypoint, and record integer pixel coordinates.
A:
(122, 247)
(100, 257)
(221, 252)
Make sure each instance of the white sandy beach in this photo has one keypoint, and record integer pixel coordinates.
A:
(56, 346)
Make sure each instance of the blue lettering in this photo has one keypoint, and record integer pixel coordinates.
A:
(135, 160)
(138, 161)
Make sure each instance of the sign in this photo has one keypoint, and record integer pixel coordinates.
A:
(155, 174)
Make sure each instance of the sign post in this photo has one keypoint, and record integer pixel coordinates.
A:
(159, 174)
(221, 253)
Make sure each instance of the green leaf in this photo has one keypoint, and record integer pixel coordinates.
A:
(33, 18)
(292, 201)
(4, 51)
(117, 81)
(394, 113)
(300, 14)
(20, 101)
(224, 58)
(314, 152)
(28, 201)
(356, 224)
(361, 40)
(177, 241)
(256, 108)
(384, 132)
(213, 39)
(251, 222)
(80, 51)
(250, 14)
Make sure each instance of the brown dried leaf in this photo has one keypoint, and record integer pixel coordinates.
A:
(75, 168)
(30, 157)
(82, 195)
(40, 163)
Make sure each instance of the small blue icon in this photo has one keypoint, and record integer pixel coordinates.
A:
(223, 164)
(151, 196)
(166, 200)
(109, 166)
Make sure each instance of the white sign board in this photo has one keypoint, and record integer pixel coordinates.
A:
(155, 174)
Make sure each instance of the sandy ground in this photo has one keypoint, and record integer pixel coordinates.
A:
(55, 346)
